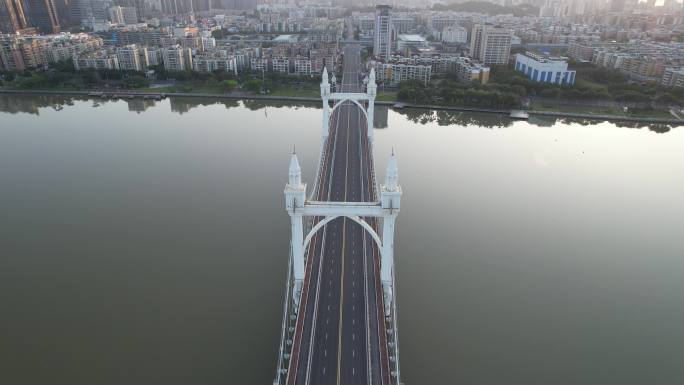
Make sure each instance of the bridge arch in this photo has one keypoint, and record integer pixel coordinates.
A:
(355, 218)
(339, 102)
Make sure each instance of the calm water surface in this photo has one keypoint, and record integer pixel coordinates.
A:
(146, 243)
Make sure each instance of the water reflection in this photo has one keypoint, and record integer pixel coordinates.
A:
(31, 104)
(447, 118)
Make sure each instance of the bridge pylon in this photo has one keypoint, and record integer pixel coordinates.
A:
(364, 100)
(299, 208)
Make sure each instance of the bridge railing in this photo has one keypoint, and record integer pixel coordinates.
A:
(395, 331)
(321, 163)
(281, 369)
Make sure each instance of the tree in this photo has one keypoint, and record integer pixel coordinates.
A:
(253, 85)
(229, 85)
(136, 81)
(550, 93)
(667, 99)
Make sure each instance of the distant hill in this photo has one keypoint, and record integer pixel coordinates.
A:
(489, 8)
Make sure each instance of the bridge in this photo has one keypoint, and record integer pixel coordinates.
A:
(339, 315)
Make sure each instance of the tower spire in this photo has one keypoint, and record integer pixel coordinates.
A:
(325, 83)
(371, 87)
(392, 173)
(295, 172)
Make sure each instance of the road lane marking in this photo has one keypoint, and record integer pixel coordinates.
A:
(344, 235)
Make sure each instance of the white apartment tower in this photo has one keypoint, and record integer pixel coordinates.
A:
(131, 58)
(490, 45)
(116, 15)
(382, 37)
(177, 58)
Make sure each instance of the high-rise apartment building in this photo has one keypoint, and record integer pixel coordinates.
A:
(140, 6)
(88, 12)
(11, 58)
(130, 15)
(63, 11)
(382, 38)
(490, 45)
(131, 58)
(81, 11)
(12, 17)
(42, 15)
(116, 15)
(177, 58)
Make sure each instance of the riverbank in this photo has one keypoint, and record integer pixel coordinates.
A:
(242, 96)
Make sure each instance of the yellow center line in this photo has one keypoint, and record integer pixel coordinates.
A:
(344, 234)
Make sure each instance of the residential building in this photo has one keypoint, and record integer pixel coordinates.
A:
(155, 56)
(468, 70)
(130, 15)
(673, 77)
(42, 14)
(98, 60)
(382, 37)
(454, 34)
(116, 15)
(395, 73)
(366, 25)
(280, 65)
(11, 58)
(302, 66)
(12, 17)
(490, 45)
(130, 58)
(33, 52)
(177, 58)
(136, 34)
(402, 24)
(259, 64)
(406, 42)
(215, 61)
(582, 51)
(441, 21)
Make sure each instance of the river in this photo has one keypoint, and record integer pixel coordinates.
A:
(146, 242)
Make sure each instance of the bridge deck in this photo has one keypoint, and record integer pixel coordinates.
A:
(340, 333)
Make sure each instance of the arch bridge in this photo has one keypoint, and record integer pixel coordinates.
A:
(339, 315)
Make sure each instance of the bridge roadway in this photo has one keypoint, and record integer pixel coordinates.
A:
(340, 338)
